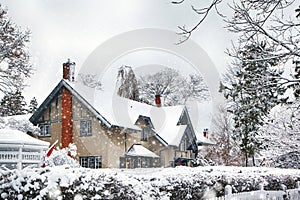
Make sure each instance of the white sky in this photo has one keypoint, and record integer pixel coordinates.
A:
(73, 29)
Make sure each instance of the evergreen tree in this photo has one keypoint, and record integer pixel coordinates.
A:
(13, 104)
(127, 84)
(251, 88)
(14, 57)
(32, 105)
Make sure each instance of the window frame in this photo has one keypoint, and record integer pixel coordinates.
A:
(92, 162)
(144, 134)
(82, 130)
(45, 130)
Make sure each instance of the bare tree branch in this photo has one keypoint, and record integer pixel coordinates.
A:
(203, 12)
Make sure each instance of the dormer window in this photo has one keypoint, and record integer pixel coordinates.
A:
(144, 134)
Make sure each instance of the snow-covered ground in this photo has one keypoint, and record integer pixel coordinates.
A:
(160, 183)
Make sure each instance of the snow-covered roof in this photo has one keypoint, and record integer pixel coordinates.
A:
(204, 141)
(139, 150)
(164, 119)
(123, 112)
(55, 92)
(18, 117)
(9, 136)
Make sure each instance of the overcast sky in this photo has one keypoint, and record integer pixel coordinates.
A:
(73, 29)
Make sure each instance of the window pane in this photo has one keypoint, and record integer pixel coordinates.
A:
(83, 161)
(45, 130)
(144, 134)
(91, 161)
(85, 127)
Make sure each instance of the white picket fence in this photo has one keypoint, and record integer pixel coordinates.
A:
(292, 194)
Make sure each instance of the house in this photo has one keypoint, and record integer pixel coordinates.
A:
(114, 133)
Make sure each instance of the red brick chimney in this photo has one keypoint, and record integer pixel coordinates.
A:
(157, 100)
(69, 70)
(205, 133)
(67, 124)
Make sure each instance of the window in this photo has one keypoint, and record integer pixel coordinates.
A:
(93, 162)
(183, 144)
(45, 130)
(85, 127)
(144, 134)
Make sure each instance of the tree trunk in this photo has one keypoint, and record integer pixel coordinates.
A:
(246, 157)
(253, 160)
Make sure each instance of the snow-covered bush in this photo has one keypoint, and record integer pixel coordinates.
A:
(63, 157)
(280, 135)
(19, 122)
(201, 161)
(290, 160)
(168, 183)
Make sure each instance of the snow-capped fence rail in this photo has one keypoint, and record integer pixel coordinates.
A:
(20, 158)
(284, 194)
(8, 156)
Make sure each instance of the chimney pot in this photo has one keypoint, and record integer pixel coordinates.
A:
(205, 133)
(69, 70)
(157, 100)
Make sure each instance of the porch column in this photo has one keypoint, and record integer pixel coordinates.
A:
(19, 161)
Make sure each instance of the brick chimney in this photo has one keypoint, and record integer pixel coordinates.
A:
(67, 124)
(205, 133)
(69, 70)
(157, 100)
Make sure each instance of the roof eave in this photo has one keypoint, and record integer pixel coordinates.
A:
(33, 119)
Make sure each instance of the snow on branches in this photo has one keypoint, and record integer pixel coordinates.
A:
(63, 156)
(251, 88)
(173, 87)
(14, 56)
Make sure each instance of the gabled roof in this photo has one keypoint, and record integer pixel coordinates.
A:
(147, 119)
(55, 92)
(164, 119)
(138, 150)
(122, 112)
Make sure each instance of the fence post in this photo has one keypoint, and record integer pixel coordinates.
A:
(261, 186)
(285, 196)
(298, 185)
(228, 190)
(283, 187)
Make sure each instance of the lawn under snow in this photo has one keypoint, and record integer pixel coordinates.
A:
(158, 183)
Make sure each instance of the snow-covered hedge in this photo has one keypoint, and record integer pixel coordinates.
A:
(158, 183)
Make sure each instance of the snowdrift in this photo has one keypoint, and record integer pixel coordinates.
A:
(159, 183)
